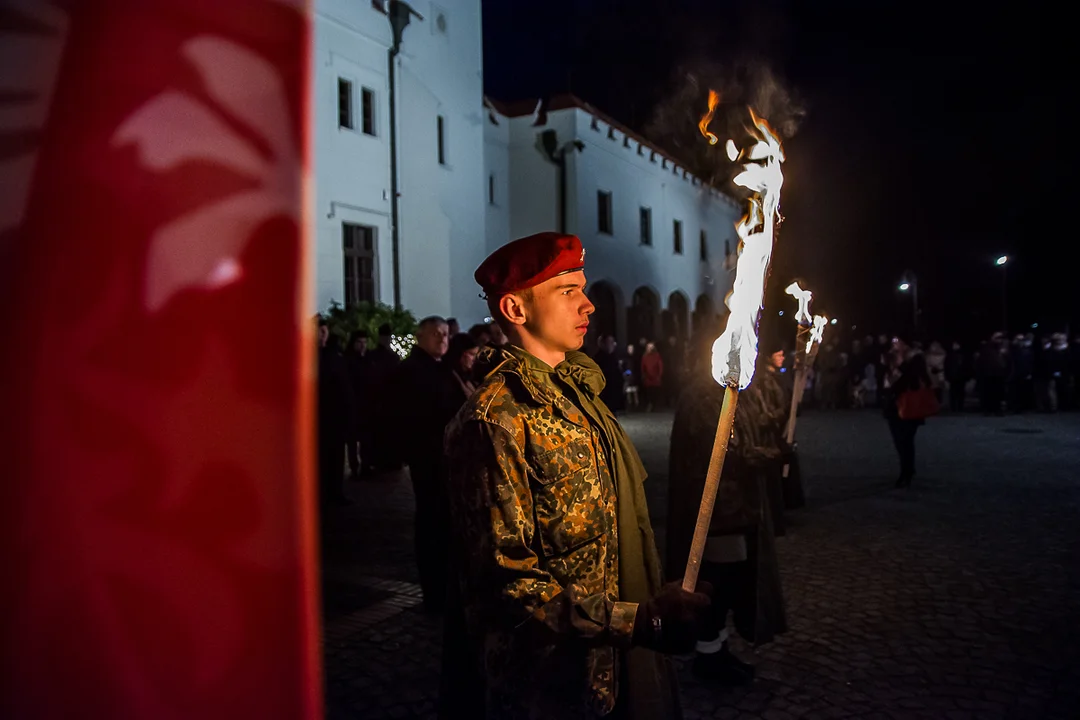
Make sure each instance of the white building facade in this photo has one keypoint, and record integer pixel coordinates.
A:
(438, 96)
(473, 174)
(660, 244)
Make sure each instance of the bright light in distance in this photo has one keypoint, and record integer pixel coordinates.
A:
(781, 313)
(1002, 260)
(1034, 326)
(905, 286)
(833, 321)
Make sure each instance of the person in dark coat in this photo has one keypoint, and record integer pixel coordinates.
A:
(359, 446)
(608, 360)
(382, 366)
(426, 401)
(740, 555)
(774, 395)
(910, 374)
(336, 415)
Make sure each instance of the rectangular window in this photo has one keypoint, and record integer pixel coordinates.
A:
(441, 128)
(345, 103)
(704, 247)
(646, 226)
(676, 235)
(358, 249)
(603, 211)
(491, 189)
(367, 111)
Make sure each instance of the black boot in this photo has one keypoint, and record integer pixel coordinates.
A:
(723, 668)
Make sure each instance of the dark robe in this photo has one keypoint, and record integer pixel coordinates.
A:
(742, 505)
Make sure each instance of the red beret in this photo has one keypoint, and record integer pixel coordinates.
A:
(529, 261)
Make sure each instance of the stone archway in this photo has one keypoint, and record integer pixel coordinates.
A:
(642, 315)
(679, 311)
(605, 319)
(705, 316)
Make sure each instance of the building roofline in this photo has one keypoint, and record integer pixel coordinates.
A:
(567, 101)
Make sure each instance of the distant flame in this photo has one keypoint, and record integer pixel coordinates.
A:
(735, 351)
(816, 332)
(803, 296)
(703, 124)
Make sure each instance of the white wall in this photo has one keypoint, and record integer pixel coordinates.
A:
(534, 180)
(635, 181)
(441, 207)
(352, 170)
(497, 166)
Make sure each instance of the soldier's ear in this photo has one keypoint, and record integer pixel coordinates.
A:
(513, 308)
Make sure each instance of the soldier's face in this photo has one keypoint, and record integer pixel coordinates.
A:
(559, 312)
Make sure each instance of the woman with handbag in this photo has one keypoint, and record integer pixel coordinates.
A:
(910, 401)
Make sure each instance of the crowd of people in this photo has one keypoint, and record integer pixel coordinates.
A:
(1027, 373)
(533, 537)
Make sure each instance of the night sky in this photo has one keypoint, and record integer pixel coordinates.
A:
(931, 142)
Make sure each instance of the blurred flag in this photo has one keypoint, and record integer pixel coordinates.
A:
(159, 522)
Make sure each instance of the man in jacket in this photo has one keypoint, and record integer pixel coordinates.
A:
(740, 554)
(563, 613)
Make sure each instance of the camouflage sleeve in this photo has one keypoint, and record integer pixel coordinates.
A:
(492, 506)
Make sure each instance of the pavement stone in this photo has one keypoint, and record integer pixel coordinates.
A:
(956, 598)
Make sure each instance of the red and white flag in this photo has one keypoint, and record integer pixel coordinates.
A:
(158, 496)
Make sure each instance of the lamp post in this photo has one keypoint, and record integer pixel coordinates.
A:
(1003, 263)
(910, 283)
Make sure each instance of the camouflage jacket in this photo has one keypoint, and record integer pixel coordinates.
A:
(534, 512)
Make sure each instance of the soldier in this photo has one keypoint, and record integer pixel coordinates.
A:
(740, 552)
(562, 612)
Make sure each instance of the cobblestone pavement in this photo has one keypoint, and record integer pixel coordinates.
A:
(956, 598)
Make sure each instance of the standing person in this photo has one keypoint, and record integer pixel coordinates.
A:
(956, 373)
(652, 377)
(740, 559)
(426, 393)
(382, 366)
(908, 376)
(360, 445)
(563, 613)
(631, 368)
(336, 414)
(459, 361)
(607, 358)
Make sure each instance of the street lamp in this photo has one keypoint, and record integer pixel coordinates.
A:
(1003, 263)
(910, 283)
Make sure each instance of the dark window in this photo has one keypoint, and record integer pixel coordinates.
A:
(646, 226)
(727, 248)
(491, 189)
(441, 128)
(677, 236)
(704, 249)
(345, 103)
(603, 211)
(367, 110)
(358, 248)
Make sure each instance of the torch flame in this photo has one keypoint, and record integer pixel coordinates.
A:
(734, 353)
(803, 296)
(703, 124)
(816, 332)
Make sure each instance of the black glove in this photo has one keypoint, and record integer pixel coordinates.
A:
(670, 621)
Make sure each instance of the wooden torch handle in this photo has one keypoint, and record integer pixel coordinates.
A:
(797, 389)
(712, 481)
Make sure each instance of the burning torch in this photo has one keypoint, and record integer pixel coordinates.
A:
(734, 353)
(807, 343)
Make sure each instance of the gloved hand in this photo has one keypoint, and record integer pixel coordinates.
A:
(787, 452)
(670, 621)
